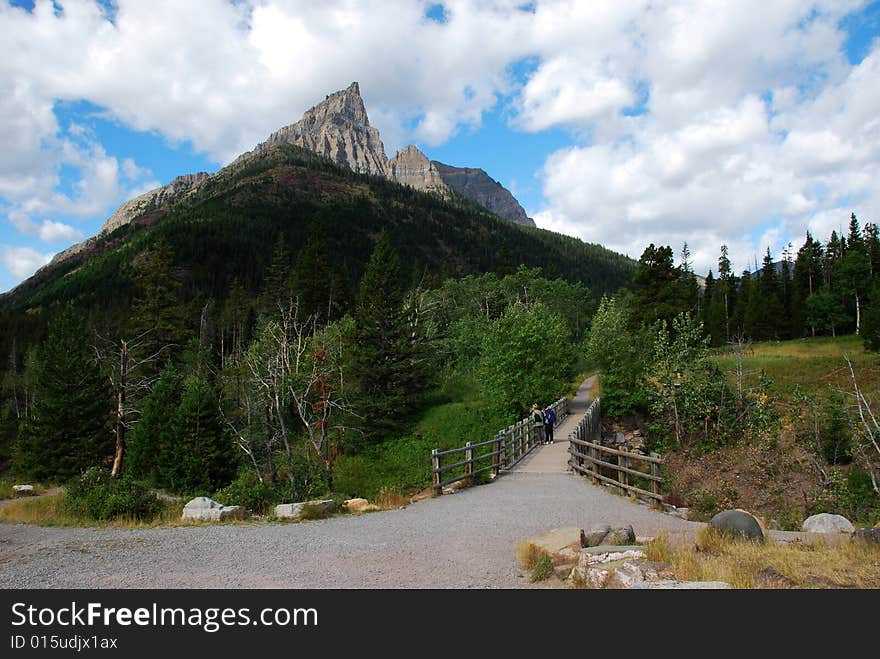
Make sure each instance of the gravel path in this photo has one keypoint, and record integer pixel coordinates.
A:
(463, 540)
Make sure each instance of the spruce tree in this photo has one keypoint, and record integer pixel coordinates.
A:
(70, 428)
(201, 457)
(387, 364)
(157, 313)
(153, 437)
(313, 280)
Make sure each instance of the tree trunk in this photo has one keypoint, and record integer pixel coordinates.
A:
(858, 313)
(120, 412)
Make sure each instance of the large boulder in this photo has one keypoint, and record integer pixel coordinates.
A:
(561, 546)
(827, 523)
(622, 535)
(603, 534)
(23, 490)
(205, 509)
(867, 535)
(296, 510)
(737, 524)
(594, 536)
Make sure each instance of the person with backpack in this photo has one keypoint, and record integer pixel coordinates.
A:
(537, 419)
(549, 422)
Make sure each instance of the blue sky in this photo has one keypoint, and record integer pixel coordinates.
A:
(623, 123)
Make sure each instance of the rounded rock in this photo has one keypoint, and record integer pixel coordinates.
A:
(737, 524)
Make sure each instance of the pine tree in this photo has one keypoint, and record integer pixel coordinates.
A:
(659, 292)
(764, 310)
(277, 288)
(387, 365)
(807, 279)
(152, 438)
(313, 281)
(201, 457)
(70, 428)
(157, 314)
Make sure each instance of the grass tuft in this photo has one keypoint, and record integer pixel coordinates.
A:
(745, 564)
(542, 570)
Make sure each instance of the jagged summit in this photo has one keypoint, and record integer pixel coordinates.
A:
(339, 129)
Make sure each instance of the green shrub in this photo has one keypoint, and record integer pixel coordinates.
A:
(543, 569)
(95, 495)
(247, 490)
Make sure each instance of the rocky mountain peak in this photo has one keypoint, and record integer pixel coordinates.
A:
(412, 167)
(338, 128)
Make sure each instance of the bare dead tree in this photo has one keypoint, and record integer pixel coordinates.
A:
(296, 369)
(128, 384)
(866, 431)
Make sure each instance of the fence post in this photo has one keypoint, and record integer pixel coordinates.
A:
(511, 440)
(623, 477)
(497, 449)
(655, 471)
(469, 461)
(435, 462)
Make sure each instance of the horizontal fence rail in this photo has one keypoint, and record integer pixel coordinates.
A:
(500, 453)
(629, 470)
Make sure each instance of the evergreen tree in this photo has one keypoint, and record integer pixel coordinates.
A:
(157, 313)
(70, 429)
(202, 457)
(764, 309)
(151, 444)
(852, 280)
(387, 364)
(277, 288)
(738, 314)
(807, 279)
(313, 281)
(659, 292)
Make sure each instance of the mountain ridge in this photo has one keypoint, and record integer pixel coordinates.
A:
(338, 128)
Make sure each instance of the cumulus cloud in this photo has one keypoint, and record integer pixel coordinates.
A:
(54, 232)
(734, 122)
(23, 261)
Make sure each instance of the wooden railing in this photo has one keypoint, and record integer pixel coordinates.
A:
(590, 458)
(500, 453)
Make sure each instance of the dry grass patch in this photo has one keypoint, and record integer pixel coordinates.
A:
(390, 498)
(745, 564)
(528, 554)
(52, 511)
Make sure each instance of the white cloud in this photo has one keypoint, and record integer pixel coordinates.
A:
(749, 117)
(23, 261)
(53, 232)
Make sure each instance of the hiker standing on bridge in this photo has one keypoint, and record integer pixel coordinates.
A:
(537, 419)
(549, 421)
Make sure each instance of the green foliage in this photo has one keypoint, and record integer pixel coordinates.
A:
(69, 431)
(526, 358)
(543, 569)
(836, 433)
(151, 441)
(848, 493)
(618, 352)
(201, 457)
(661, 291)
(302, 478)
(391, 356)
(260, 497)
(180, 442)
(95, 495)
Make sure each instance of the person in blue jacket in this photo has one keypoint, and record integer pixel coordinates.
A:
(549, 422)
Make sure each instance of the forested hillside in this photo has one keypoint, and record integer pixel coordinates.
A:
(289, 325)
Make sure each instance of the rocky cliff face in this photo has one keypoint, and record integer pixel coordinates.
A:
(153, 199)
(339, 129)
(412, 167)
(489, 193)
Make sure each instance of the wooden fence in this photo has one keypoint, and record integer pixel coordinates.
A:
(590, 458)
(500, 453)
